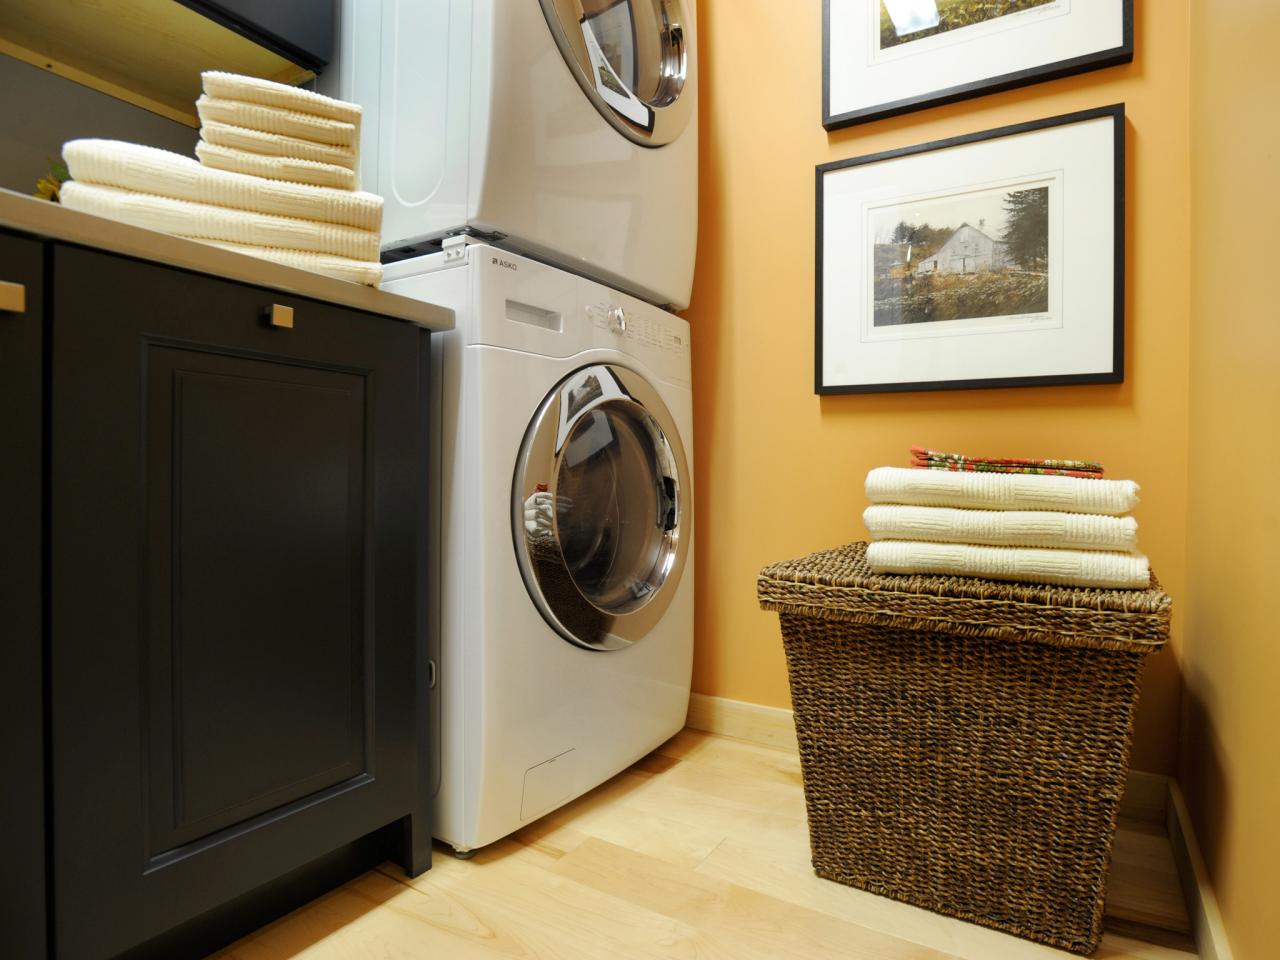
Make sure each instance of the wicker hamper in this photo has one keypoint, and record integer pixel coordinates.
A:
(964, 743)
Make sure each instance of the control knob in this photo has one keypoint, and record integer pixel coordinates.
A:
(617, 318)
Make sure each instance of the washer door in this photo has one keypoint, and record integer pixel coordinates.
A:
(631, 58)
(599, 508)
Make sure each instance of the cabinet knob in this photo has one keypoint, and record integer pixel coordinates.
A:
(13, 297)
(280, 316)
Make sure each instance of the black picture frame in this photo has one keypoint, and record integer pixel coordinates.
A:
(964, 91)
(1115, 375)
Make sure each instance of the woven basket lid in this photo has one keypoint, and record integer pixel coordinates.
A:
(838, 585)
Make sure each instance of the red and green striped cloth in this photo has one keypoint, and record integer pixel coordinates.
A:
(934, 460)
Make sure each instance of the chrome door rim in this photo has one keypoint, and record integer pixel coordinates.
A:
(541, 453)
(667, 118)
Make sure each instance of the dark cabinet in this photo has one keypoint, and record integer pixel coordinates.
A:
(300, 30)
(22, 915)
(235, 639)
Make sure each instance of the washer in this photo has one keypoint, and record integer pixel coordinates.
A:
(565, 129)
(566, 534)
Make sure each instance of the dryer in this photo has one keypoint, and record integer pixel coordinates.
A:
(565, 522)
(562, 129)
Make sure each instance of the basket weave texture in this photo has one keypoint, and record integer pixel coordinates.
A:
(964, 743)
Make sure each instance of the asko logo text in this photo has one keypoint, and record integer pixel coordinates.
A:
(505, 264)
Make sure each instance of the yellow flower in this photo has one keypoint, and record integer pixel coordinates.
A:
(47, 187)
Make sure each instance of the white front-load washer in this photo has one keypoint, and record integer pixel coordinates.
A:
(564, 129)
(565, 525)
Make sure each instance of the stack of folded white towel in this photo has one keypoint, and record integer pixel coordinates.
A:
(1034, 528)
(275, 179)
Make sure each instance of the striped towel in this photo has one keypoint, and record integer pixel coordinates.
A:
(340, 268)
(936, 460)
(995, 491)
(274, 145)
(187, 219)
(276, 168)
(268, 93)
(1022, 528)
(1079, 568)
(149, 170)
(286, 123)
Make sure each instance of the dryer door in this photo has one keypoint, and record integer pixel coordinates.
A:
(600, 507)
(632, 58)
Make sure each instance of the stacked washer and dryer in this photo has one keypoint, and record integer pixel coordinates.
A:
(539, 164)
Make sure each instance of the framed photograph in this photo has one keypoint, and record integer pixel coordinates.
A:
(994, 259)
(885, 57)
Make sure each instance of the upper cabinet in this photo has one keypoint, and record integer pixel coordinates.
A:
(300, 30)
(151, 52)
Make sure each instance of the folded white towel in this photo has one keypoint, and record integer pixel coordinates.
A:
(187, 219)
(1079, 568)
(231, 86)
(1014, 528)
(340, 268)
(132, 166)
(288, 123)
(276, 168)
(1000, 491)
(274, 145)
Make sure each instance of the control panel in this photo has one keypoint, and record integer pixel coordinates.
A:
(638, 328)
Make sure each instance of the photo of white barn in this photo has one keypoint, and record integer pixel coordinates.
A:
(967, 250)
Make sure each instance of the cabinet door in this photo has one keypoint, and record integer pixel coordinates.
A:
(22, 915)
(235, 537)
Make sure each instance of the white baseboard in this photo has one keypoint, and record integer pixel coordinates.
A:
(1202, 905)
(772, 726)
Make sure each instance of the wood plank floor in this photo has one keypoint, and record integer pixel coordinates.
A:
(698, 852)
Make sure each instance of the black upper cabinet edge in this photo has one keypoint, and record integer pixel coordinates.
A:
(277, 44)
(977, 88)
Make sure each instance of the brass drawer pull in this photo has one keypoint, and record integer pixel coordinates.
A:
(13, 297)
(280, 316)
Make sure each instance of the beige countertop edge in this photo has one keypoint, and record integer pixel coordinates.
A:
(53, 222)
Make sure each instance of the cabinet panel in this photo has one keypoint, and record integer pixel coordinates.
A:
(235, 530)
(258, 651)
(22, 909)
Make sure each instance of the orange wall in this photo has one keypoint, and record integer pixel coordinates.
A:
(1231, 763)
(779, 471)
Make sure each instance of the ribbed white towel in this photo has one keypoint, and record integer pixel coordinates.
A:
(340, 268)
(132, 166)
(187, 219)
(1000, 491)
(288, 123)
(276, 168)
(231, 86)
(274, 145)
(1010, 528)
(1078, 568)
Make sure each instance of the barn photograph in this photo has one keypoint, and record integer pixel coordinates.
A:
(902, 21)
(976, 254)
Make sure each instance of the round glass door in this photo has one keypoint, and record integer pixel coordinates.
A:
(598, 508)
(632, 59)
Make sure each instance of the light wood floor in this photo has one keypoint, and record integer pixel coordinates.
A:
(698, 852)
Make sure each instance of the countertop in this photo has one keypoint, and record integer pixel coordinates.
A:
(54, 222)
